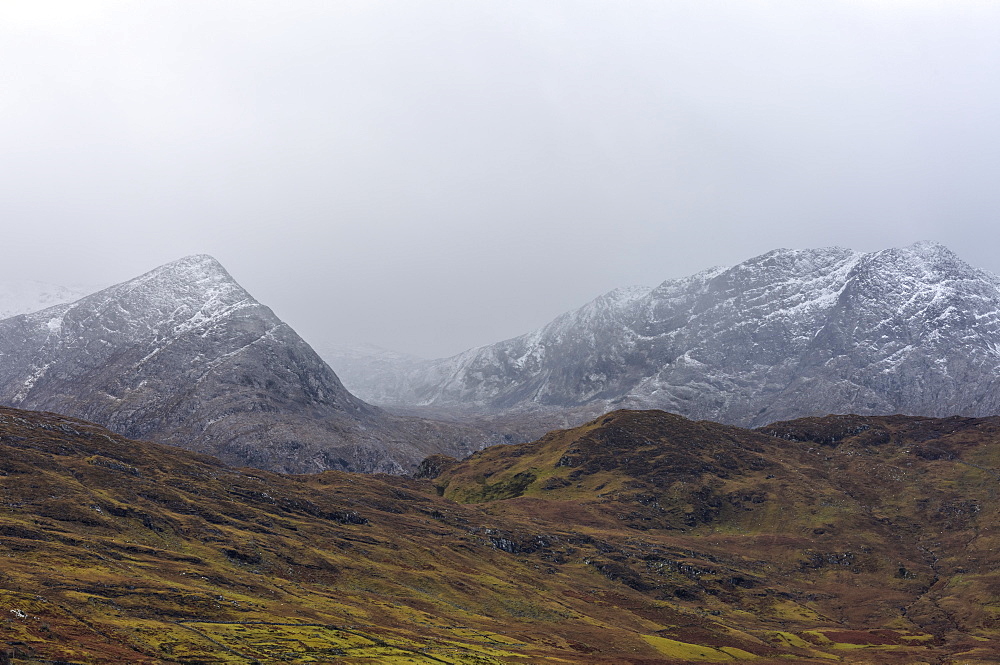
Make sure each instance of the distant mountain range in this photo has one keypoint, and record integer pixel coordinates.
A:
(184, 355)
(26, 296)
(787, 334)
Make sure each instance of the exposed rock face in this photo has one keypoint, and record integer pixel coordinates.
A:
(184, 355)
(787, 334)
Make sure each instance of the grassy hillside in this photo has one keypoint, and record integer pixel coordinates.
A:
(881, 532)
(638, 538)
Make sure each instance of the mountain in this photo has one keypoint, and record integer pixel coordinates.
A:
(640, 538)
(787, 334)
(24, 296)
(184, 355)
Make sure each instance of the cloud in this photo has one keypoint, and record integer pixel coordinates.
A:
(429, 176)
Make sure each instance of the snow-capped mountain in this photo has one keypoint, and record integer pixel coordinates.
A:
(787, 334)
(184, 355)
(25, 296)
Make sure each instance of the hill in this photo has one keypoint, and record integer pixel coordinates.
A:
(639, 538)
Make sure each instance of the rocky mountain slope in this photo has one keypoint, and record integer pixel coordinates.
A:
(786, 334)
(184, 355)
(639, 538)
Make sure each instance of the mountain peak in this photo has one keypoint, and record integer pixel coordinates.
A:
(928, 247)
(194, 269)
(183, 354)
(926, 253)
(190, 289)
(202, 262)
(925, 263)
(789, 333)
(779, 261)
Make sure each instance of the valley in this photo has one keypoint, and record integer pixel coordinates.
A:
(571, 332)
(183, 479)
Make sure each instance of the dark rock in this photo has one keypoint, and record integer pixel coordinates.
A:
(433, 466)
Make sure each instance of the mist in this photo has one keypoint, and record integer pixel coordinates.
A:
(433, 176)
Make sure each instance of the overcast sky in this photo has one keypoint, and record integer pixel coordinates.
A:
(429, 176)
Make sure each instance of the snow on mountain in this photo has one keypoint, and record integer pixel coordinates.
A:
(25, 296)
(184, 355)
(783, 335)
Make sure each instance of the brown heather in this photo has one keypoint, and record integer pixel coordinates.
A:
(640, 537)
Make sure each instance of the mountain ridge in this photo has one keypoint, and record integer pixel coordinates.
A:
(785, 334)
(183, 354)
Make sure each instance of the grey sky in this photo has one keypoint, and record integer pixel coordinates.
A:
(430, 176)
